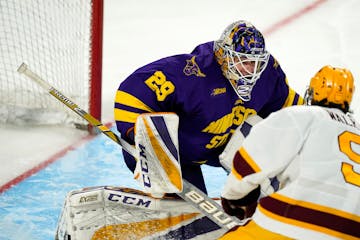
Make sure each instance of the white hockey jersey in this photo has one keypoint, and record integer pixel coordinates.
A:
(307, 160)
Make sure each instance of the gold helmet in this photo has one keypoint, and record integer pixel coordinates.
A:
(331, 87)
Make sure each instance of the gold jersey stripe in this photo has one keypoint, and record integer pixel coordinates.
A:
(300, 101)
(316, 207)
(307, 225)
(125, 116)
(248, 165)
(127, 99)
(290, 98)
(249, 160)
(236, 174)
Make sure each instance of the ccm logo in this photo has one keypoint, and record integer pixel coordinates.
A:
(211, 208)
(144, 167)
(129, 200)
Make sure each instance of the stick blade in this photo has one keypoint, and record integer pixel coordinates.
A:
(22, 68)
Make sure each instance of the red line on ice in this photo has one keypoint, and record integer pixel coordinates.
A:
(47, 162)
(293, 17)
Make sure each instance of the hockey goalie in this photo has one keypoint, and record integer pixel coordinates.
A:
(123, 213)
(156, 212)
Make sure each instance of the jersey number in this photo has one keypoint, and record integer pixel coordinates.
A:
(347, 169)
(158, 83)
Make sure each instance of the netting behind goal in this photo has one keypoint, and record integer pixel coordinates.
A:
(61, 40)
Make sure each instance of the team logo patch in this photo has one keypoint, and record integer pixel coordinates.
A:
(192, 68)
(89, 198)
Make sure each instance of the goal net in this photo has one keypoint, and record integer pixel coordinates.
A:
(61, 40)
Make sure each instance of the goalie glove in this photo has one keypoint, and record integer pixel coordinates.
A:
(158, 165)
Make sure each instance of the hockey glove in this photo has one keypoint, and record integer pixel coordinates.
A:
(244, 207)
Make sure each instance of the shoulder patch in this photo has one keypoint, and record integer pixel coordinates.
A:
(192, 68)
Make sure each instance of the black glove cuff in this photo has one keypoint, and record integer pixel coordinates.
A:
(252, 197)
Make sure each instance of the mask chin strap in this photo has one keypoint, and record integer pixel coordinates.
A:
(245, 85)
(243, 89)
(244, 92)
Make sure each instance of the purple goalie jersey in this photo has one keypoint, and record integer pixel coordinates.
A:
(193, 86)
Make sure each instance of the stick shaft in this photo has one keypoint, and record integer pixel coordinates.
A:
(190, 193)
(70, 104)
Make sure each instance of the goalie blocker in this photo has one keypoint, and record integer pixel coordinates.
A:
(123, 213)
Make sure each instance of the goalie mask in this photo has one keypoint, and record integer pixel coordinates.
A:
(331, 87)
(241, 53)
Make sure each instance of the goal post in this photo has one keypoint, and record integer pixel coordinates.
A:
(61, 40)
(96, 58)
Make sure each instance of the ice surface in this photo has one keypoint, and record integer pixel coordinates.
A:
(34, 205)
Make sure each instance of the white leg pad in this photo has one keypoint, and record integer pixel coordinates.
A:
(156, 139)
(123, 213)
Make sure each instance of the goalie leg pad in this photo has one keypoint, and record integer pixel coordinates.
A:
(123, 213)
(156, 139)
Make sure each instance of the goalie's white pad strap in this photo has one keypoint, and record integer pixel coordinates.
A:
(123, 213)
(156, 139)
(236, 140)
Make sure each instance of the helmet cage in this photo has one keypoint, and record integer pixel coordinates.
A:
(241, 53)
(243, 81)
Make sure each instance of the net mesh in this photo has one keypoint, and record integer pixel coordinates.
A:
(53, 38)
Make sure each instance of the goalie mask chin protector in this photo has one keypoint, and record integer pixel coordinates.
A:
(241, 53)
(156, 140)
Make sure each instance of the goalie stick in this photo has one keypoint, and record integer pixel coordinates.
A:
(190, 193)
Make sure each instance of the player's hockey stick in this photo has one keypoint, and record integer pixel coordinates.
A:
(190, 193)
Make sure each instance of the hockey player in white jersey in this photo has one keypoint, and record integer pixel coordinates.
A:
(305, 162)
